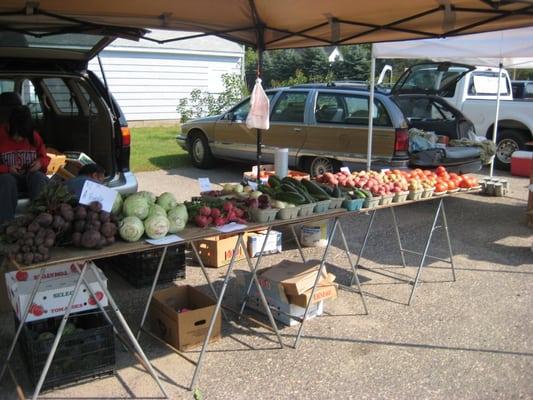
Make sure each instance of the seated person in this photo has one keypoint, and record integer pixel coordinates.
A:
(23, 161)
(90, 172)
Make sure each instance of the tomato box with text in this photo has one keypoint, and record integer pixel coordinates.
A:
(54, 292)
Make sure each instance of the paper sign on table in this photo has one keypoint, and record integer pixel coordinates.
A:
(93, 191)
(346, 170)
(205, 184)
(230, 227)
(165, 240)
(385, 169)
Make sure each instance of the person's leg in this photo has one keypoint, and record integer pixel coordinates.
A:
(8, 197)
(35, 182)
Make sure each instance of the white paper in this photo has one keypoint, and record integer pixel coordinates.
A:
(254, 170)
(253, 185)
(345, 169)
(205, 184)
(385, 169)
(93, 191)
(230, 227)
(166, 240)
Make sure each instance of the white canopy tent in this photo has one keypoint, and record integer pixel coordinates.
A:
(511, 48)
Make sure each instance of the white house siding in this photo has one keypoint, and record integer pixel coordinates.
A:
(148, 79)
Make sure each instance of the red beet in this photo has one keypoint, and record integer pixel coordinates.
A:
(201, 221)
(205, 211)
(228, 206)
(218, 221)
(215, 212)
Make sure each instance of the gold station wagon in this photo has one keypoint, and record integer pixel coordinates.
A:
(323, 126)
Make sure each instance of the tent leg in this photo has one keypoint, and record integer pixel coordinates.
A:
(371, 112)
(495, 129)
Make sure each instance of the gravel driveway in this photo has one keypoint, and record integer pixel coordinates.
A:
(469, 339)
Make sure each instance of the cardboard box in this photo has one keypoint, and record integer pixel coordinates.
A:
(296, 277)
(326, 289)
(279, 301)
(282, 310)
(187, 328)
(216, 251)
(256, 240)
(56, 161)
(54, 292)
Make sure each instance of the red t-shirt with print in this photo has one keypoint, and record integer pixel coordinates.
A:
(21, 154)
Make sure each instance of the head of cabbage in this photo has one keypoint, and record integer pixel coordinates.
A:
(136, 206)
(177, 217)
(167, 201)
(156, 226)
(149, 196)
(157, 210)
(131, 229)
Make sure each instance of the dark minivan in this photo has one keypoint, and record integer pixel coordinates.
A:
(71, 108)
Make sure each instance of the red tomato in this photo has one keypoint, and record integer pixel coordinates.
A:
(451, 185)
(440, 187)
(440, 170)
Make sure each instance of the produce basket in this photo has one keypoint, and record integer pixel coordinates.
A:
(288, 213)
(453, 191)
(371, 202)
(400, 197)
(415, 194)
(336, 203)
(427, 193)
(386, 199)
(435, 193)
(322, 206)
(353, 204)
(86, 349)
(139, 268)
(263, 214)
(306, 209)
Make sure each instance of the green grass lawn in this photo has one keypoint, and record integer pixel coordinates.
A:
(156, 148)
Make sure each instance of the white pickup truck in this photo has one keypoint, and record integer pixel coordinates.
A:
(473, 91)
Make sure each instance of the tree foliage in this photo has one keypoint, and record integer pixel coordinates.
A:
(201, 103)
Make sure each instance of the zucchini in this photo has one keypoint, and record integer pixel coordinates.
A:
(274, 182)
(366, 192)
(328, 189)
(290, 197)
(336, 192)
(296, 183)
(314, 189)
(358, 194)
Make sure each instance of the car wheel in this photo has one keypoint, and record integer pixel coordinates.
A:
(508, 142)
(200, 152)
(320, 165)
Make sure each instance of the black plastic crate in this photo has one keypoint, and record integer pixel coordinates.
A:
(86, 348)
(139, 268)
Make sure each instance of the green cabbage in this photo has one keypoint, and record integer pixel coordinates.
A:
(131, 229)
(156, 226)
(136, 206)
(177, 217)
(156, 209)
(117, 205)
(149, 196)
(167, 201)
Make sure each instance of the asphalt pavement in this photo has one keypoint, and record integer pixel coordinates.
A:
(469, 339)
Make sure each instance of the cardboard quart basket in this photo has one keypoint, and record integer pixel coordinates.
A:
(216, 251)
(180, 315)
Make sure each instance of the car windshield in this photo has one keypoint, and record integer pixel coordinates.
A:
(67, 41)
(429, 78)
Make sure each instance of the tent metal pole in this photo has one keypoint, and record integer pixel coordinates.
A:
(495, 129)
(371, 111)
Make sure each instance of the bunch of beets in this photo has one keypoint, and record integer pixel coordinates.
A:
(93, 228)
(31, 236)
(229, 212)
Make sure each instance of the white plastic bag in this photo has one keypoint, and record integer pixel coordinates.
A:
(258, 117)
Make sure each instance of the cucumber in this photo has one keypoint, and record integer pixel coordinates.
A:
(314, 189)
(357, 194)
(274, 182)
(296, 183)
(366, 192)
(328, 189)
(336, 192)
(292, 188)
(290, 197)
(266, 190)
